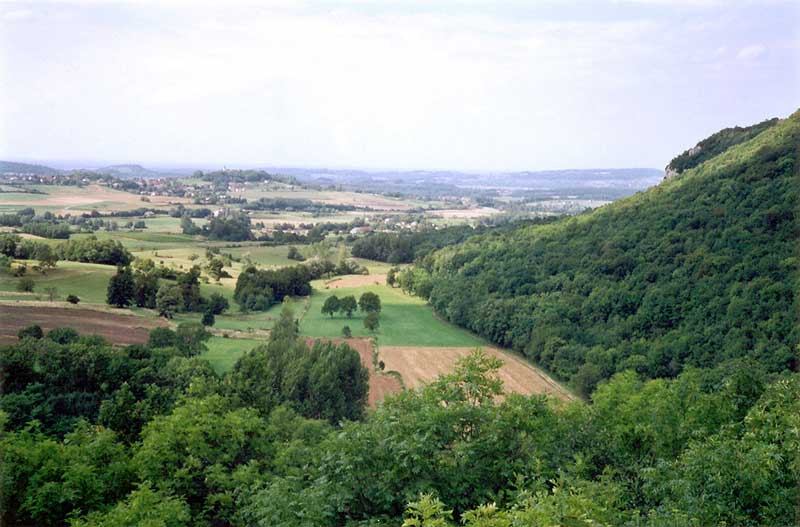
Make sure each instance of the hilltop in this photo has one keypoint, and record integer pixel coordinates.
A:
(130, 171)
(12, 167)
(697, 271)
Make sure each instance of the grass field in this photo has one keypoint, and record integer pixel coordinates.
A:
(88, 281)
(404, 320)
(169, 224)
(264, 255)
(223, 353)
(235, 321)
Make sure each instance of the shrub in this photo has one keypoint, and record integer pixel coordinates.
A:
(25, 284)
(33, 331)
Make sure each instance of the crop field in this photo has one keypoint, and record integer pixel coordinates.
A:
(418, 365)
(118, 326)
(405, 320)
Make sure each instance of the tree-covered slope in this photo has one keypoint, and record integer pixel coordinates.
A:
(717, 143)
(696, 271)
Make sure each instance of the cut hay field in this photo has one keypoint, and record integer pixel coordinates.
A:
(418, 365)
(118, 326)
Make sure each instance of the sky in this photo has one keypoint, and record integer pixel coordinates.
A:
(461, 85)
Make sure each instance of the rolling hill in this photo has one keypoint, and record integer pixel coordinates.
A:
(697, 271)
(12, 167)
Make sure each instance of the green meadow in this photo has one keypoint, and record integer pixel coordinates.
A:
(404, 321)
(88, 281)
(223, 353)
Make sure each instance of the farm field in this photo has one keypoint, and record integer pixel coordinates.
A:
(417, 365)
(120, 327)
(356, 199)
(67, 199)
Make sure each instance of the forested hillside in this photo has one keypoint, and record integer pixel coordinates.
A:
(694, 272)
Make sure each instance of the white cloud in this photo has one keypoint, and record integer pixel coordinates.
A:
(17, 14)
(751, 52)
(361, 87)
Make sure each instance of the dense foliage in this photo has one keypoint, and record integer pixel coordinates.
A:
(62, 378)
(296, 204)
(258, 289)
(321, 381)
(717, 143)
(692, 272)
(409, 247)
(175, 445)
(405, 248)
(233, 227)
(87, 250)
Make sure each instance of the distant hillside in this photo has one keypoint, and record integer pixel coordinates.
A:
(694, 272)
(129, 171)
(607, 184)
(716, 144)
(11, 167)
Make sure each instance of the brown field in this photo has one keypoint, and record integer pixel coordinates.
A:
(118, 328)
(356, 280)
(380, 385)
(464, 214)
(334, 197)
(420, 365)
(68, 198)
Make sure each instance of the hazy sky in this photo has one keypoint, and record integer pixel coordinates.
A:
(519, 85)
